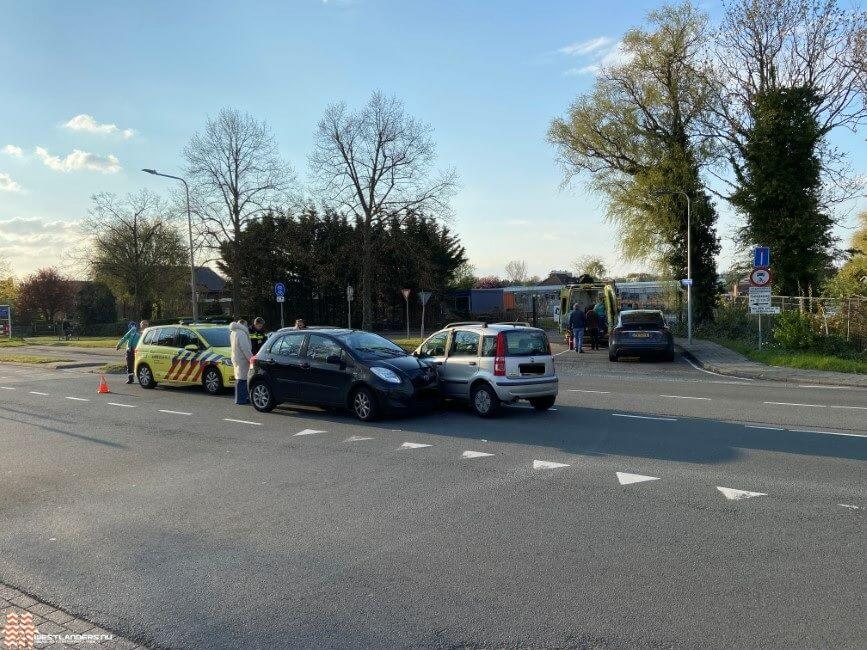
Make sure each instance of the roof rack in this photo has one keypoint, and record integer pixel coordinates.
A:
(464, 323)
(515, 323)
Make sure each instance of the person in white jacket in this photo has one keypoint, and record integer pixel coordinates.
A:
(242, 353)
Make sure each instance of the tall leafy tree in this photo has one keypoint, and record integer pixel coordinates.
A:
(780, 185)
(46, 294)
(640, 132)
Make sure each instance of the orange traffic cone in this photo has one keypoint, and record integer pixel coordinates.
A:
(103, 385)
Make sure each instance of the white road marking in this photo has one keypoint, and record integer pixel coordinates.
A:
(309, 432)
(580, 390)
(758, 426)
(643, 417)
(686, 397)
(357, 438)
(475, 454)
(710, 372)
(849, 505)
(547, 464)
(126, 406)
(736, 495)
(78, 399)
(413, 445)
(36, 392)
(821, 386)
(626, 478)
(173, 412)
(563, 352)
(829, 433)
(255, 424)
(856, 408)
(7, 387)
(815, 406)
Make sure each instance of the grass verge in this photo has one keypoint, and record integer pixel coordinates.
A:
(83, 342)
(408, 344)
(798, 359)
(113, 368)
(12, 343)
(29, 358)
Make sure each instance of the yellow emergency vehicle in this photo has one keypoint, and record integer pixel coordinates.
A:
(185, 355)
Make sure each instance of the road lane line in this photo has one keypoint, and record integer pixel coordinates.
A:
(357, 438)
(758, 426)
(36, 392)
(849, 505)
(857, 408)
(309, 432)
(173, 412)
(643, 417)
(7, 387)
(686, 397)
(78, 399)
(255, 424)
(581, 390)
(126, 406)
(829, 433)
(815, 406)
(820, 386)
(563, 352)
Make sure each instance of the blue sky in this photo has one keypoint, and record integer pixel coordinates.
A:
(488, 76)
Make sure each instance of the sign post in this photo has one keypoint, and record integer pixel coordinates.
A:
(406, 293)
(350, 294)
(6, 320)
(280, 293)
(424, 296)
(760, 286)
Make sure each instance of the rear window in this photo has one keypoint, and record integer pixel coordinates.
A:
(649, 319)
(526, 343)
(216, 337)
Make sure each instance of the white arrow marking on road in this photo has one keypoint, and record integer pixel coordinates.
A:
(475, 454)
(357, 438)
(737, 495)
(626, 478)
(547, 464)
(413, 445)
(309, 432)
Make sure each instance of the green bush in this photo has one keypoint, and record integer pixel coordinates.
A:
(731, 321)
(794, 331)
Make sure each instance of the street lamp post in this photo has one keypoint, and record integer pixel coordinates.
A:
(195, 303)
(688, 258)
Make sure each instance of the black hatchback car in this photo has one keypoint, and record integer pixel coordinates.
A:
(342, 368)
(641, 332)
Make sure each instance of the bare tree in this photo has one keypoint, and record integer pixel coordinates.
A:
(377, 164)
(591, 265)
(134, 248)
(764, 45)
(236, 174)
(516, 271)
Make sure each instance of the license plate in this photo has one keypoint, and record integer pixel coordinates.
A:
(641, 335)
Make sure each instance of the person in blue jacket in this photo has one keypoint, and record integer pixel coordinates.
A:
(577, 322)
(130, 339)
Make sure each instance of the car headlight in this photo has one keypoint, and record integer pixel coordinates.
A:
(386, 375)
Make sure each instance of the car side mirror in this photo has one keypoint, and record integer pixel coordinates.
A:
(192, 347)
(416, 353)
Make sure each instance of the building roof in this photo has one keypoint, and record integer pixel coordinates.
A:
(210, 279)
(557, 277)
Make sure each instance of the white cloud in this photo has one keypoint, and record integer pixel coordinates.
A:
(585, 47)
(12, 150)
(31, 242)
(616, 56)
(79, 160)
(593, 68)
(7, 184)
(87, 123)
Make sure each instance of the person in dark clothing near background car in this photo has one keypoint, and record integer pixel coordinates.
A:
(577, 323)
(257, 334)
(592, 320)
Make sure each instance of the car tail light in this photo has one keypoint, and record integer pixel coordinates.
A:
(500, 356)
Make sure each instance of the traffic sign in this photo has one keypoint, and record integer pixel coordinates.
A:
(760, 295)
(761, 256)
(764, 309)
(4, 312)
(406, 293)
(424, 296)
(279, 290)
(350, 293)
(281, 298)
(686, 282)
(760, 277)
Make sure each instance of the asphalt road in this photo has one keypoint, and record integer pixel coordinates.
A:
(658, 505)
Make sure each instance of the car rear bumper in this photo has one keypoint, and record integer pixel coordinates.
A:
(655, 347)
(509, 390)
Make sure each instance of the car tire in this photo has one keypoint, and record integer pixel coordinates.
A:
(145, 376)
(363, 404)
(543, 403)
(262, 397)
(484, 401)
(212, 380)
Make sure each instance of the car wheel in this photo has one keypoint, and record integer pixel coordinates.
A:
(543, 403)
(364, 405)
(146, 376)
(484, 401)
(262, 397)
(212, 381)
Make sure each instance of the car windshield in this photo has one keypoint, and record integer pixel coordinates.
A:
(216, 337)
(526, 343)
(642, 318)
(372, 346)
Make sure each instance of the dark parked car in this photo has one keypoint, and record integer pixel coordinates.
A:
(641, 332)
(341, 368)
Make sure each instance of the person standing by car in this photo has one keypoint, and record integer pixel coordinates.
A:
(577, 323)
(130, 339)
(257, 334)
(592, 320)
(600, 312)
(300, 324)
(242, 353)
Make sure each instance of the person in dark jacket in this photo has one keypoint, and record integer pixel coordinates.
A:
(257, 334)
(577, 323)
(592, 319)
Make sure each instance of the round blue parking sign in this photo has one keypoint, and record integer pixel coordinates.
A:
(279, 289)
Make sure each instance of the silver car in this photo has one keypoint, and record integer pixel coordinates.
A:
(490, 364)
